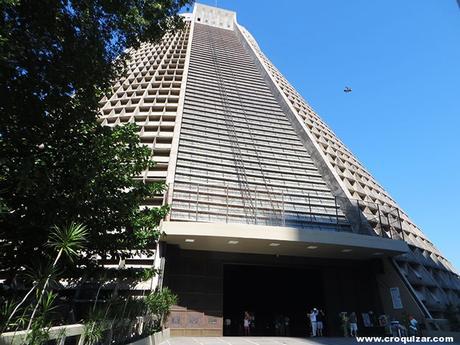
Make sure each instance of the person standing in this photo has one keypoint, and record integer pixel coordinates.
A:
(314, 325)
(278, 325)
(246, 324)
(353, 320)
(344, 323)
(252, 320)
(228, 324)
(320, 322)
(282, 328)
(287, 330)
(412, 325)
(308, 323)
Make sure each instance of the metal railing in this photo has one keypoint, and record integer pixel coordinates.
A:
(385, 221)
(224, 204)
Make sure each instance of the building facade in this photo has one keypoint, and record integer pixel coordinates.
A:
(270, 212)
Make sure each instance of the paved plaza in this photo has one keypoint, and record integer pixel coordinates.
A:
(270, 341)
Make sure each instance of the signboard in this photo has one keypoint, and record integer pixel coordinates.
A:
(396, 298)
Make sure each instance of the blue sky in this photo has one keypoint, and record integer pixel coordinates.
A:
(402, 120)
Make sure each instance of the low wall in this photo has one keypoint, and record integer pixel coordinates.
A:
(59, 333)
(154, 339)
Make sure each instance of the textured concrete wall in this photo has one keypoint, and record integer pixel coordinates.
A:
(392, 279)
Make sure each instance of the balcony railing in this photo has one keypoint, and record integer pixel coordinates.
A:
(223, 204)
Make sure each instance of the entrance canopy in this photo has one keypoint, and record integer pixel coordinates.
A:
(276, 240)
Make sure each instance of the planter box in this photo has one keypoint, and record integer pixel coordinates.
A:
(154, 339)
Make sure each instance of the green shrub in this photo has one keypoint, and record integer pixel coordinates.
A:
(159, 304)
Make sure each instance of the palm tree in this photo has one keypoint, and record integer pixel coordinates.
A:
(65, 241)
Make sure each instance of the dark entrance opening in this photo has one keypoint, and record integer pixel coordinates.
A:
(271, 294)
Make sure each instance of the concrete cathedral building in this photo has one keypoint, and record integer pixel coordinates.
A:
(270, 212)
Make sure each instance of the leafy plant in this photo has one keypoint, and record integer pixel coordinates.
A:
(7, 308)
(39, 326)
(38, 334)
(10, 309)
(94, 332)
(147, 273)
(38, 275)
(57, 163)
(66, 241)
(159, 303)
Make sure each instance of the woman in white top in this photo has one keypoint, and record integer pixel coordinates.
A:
(246, 323)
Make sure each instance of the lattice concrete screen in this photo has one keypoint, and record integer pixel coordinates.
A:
(236, 143)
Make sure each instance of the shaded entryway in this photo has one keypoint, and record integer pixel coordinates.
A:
(213, 286)
(279, 298)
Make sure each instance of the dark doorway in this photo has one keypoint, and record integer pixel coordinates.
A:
(271, 294)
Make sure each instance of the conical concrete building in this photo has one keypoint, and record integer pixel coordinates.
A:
(270, 212)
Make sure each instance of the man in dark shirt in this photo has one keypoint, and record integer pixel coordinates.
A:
(320, 322)
(353, 320)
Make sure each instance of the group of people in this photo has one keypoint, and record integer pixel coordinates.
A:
(394, 327)
(349, 324)
(399, 330)
(282, 325)
(316, 318)
(316, 322)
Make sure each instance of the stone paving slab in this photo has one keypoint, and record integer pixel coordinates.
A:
(271, 341)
